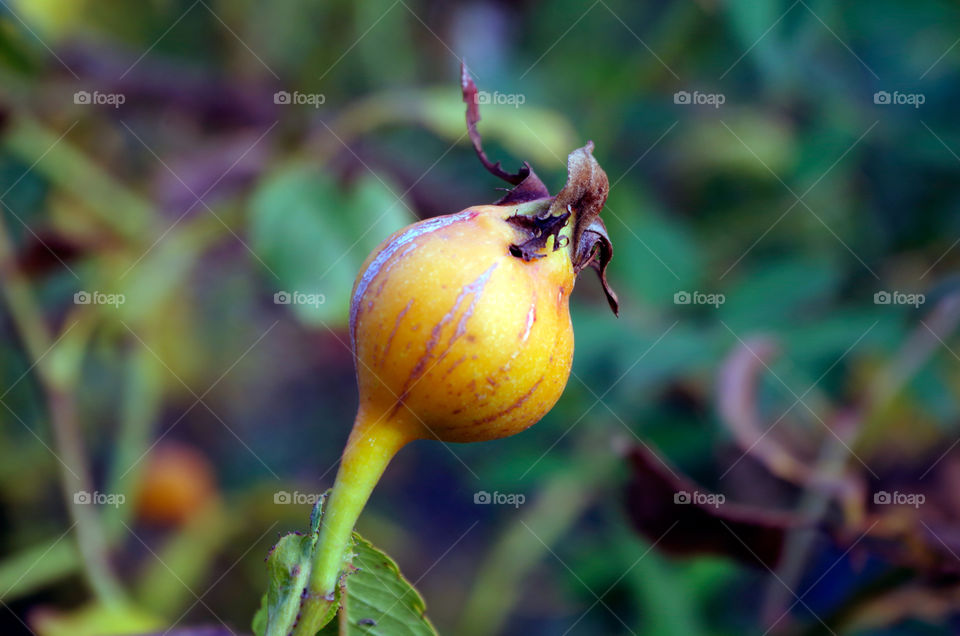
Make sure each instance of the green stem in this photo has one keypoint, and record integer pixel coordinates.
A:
(57, 371)
(90, 535)
(497, 586)
(831, 464)
(921, 344)
(70, 170)
(31, 568)
(372, 444)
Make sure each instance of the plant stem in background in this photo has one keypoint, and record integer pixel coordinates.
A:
(124, 211)
(56, 364)
(165, 586)
(831, 465)
(849, 430)
(925, 340)
(496, 588)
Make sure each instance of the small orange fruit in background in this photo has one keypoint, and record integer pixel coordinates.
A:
(178, 482)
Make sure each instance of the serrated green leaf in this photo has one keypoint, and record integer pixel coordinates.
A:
(378, 600)
(374, 594)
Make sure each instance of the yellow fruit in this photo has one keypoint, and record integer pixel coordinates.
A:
(457, 339)
(461, 331)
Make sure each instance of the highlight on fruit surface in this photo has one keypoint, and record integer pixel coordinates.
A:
(461, 329)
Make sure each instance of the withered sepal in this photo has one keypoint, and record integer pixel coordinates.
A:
(585, 193)
(582, 198)
(539, 228)
(528, 186)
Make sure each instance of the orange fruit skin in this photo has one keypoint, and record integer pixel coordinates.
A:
(454, 337)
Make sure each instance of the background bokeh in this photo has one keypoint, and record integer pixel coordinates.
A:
(792, 159)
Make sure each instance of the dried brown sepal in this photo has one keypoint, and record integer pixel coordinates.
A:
(529, 187)
(583, 197)
(585, 193)
(539, 229)
(595, 250)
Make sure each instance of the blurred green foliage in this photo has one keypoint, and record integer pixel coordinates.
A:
(200, 198)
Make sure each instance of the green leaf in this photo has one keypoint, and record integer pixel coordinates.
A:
(748, 143)
(378, 600)
(288, 568)
(646, 239)
(314, 235)
(259, 624)
(779, 291)
(374, 595)
(94, 619)
(753, 22)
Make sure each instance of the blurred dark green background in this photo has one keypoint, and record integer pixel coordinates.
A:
(147, 150)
